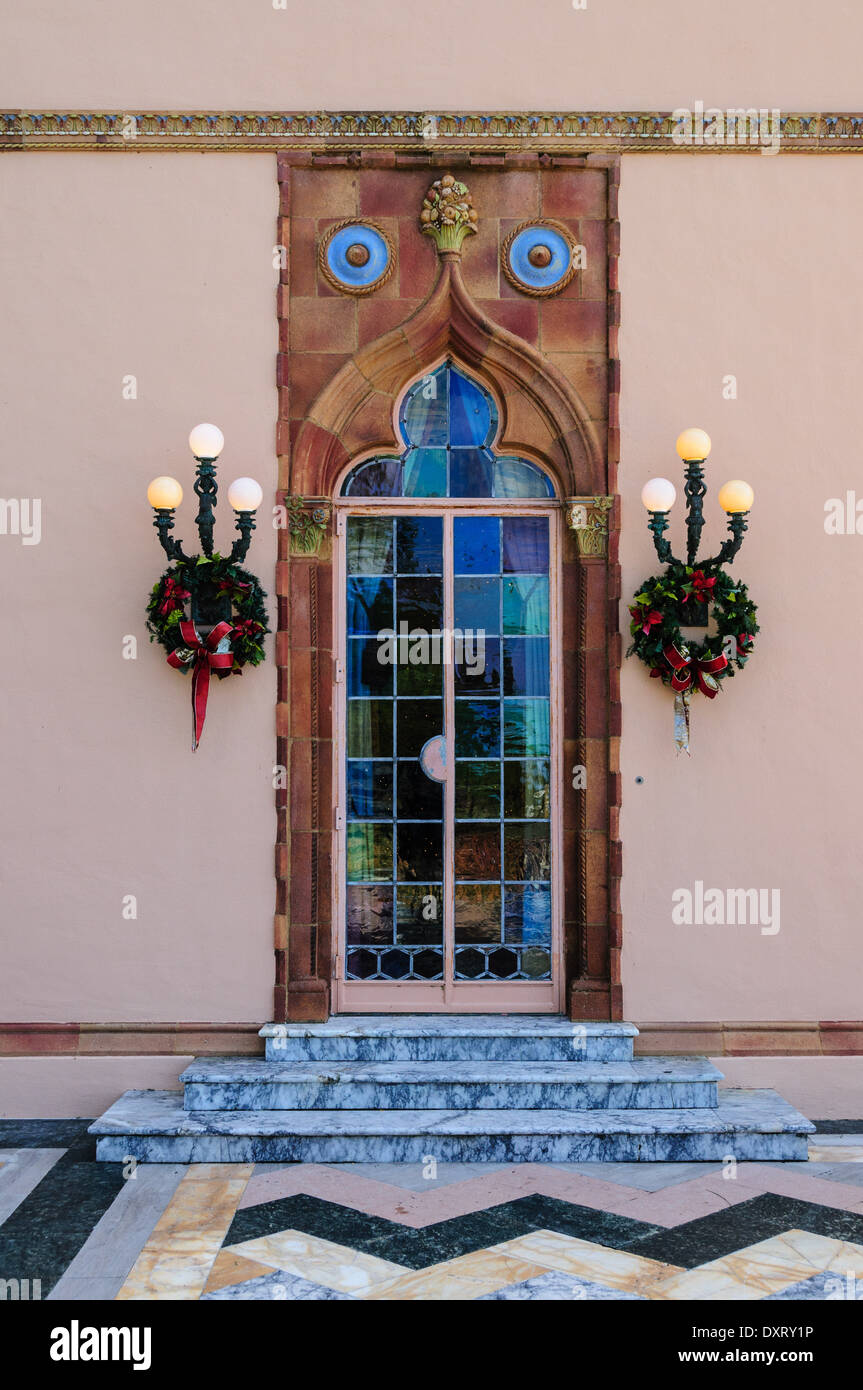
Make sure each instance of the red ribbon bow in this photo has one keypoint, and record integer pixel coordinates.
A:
(206, 658)
(688, 669)
(173, 595)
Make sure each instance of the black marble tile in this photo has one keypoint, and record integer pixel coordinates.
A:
(444, 1240)
(838, 1126)
(45, 1232)
(724, 1232)
(41, 1134)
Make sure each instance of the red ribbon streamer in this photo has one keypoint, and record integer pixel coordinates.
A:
(686, 669)
(206, 659)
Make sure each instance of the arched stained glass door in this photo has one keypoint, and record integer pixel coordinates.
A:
(447, 731)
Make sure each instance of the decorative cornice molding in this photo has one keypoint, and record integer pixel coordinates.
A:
(495, 133)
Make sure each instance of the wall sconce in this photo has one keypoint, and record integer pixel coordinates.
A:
(687, 592)
(228, 616)
(659, 496)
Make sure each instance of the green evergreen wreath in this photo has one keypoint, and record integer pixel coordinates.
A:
(665, 602)
(169, 597)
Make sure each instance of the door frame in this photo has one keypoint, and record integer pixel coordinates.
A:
(479, 996)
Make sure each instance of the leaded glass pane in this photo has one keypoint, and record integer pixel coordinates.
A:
(448, 423)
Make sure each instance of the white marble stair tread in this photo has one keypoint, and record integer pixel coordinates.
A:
(161, 1113)
(448, 1025)
(244, 1070)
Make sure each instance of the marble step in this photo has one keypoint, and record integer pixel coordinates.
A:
(650, 1082)
(448, 1038)
(153, 1127)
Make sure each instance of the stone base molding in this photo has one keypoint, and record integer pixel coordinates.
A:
(824, 1038)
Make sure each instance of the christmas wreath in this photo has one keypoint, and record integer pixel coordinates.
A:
(231, 643)
(677, 598)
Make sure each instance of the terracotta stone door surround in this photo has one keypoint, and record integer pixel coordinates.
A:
(551, 364)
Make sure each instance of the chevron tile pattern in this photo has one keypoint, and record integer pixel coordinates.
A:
(408, 1232)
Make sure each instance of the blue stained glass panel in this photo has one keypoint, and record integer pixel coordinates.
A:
(477, 729)
(425, 473)
(470, 473)
(370, 790)
(519, 478)
(525, 545)
(476, 545)
(448, 423)
(419, 545)
(370, 605)
(424, 412)
(470, 411)
(366, 674)
(376, 478)
(476, 604)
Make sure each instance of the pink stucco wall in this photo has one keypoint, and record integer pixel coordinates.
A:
(760, 279)
(162, 269)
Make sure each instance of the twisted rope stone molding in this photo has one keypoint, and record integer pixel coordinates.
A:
(500, 132)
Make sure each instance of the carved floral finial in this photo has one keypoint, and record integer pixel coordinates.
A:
(448, 214)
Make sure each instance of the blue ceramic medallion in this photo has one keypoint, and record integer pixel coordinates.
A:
(356, 257)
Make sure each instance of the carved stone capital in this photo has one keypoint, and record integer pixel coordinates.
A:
(588, 518)
(448, 214)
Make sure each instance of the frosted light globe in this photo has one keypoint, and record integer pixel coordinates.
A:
(164, 494)
(245, 495)
(658, 495)
(693, 444)
(736, 496)
(206, 441)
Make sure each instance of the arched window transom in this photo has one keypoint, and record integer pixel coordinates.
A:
(448, 422)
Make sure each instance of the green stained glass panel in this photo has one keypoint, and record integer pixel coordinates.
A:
(525, 729)
(370, 852)
(525, 605)
(477, 790)
(370, 728)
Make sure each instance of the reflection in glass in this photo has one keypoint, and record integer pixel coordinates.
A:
(477, 729)
(420, 852)
(477, 850)
(477, 912)
(370, 545)
(370, 915)
(477, 790)
(370, 729)
(525, 604)
(525, 729)
(370, 790)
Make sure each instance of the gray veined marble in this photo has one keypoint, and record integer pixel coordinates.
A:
(648, 1083)
(154, 1127)
(449, 1037)
(560, 1287)
(278, 1287)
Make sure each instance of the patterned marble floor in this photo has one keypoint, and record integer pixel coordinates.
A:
(661, 1231)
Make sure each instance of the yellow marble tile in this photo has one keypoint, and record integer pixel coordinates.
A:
(617, 1269)
(177, 1259)
(233, 1269)
(467, 1277)
(320, 1261)
(764, 1268)
(835, 1153)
